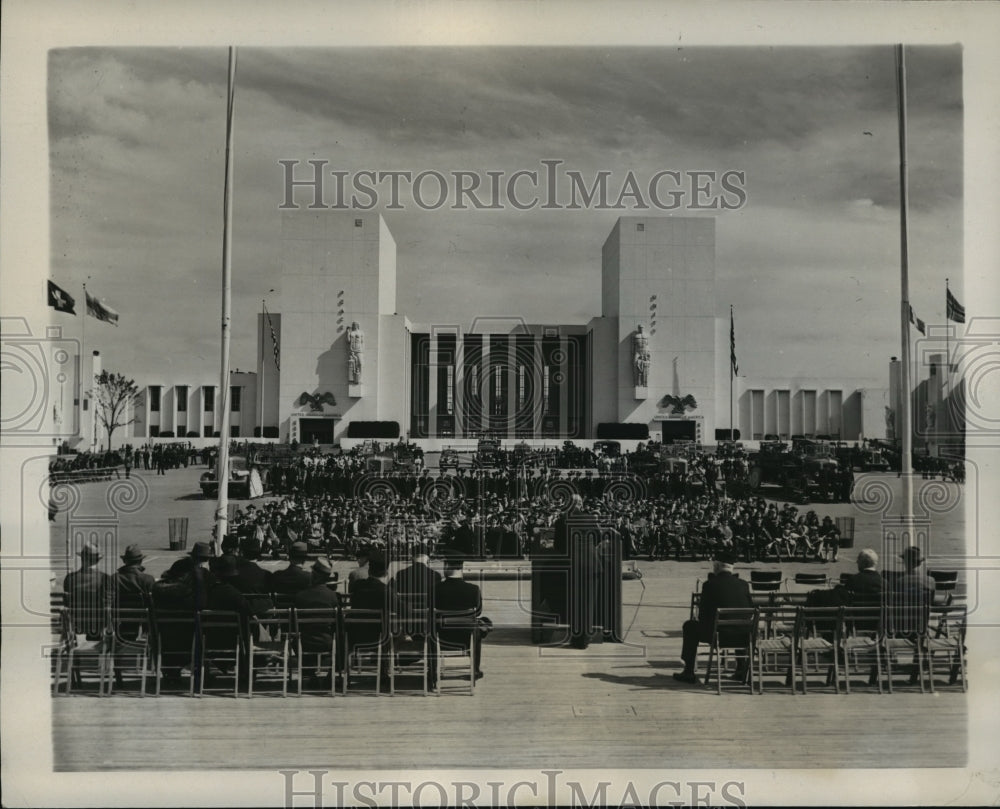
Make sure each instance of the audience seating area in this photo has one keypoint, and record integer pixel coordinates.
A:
(281, 651)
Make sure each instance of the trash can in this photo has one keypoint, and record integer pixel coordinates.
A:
(845, 526)
(178, 533)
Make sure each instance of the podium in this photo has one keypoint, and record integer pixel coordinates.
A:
(576, 582)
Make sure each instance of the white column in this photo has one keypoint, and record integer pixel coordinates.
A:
(459, 396)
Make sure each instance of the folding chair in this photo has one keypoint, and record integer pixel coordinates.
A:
(173, 641)
(367, 634)
(129, 646)
(456, 636)
(861, 643)
(316, 636)
(905, 635)
(765, 581)
(817, 635)
(267, 644)
(946, 637)
(945, 584)
(775, 646)
(733, 636)
(695, 605)
(77, 650)
(220, 644)
(813, 580)
(416, 619)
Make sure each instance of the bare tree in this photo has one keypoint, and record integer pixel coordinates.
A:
(112, 397)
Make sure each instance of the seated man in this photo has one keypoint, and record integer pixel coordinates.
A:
(865, 586)
(373, 593)
(723, 590)
(89, 592)
(319, 637)
(294, 577)
(453, 593)
(415, 585)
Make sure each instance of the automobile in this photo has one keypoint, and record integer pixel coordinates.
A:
(245, 480)
(487, 452)
(449, 459)
(610, 449)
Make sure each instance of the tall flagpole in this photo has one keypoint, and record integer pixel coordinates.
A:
(222, 469)
(732, 349)
(906, 417)
(947, 339)
(261, 366)
(83, 359)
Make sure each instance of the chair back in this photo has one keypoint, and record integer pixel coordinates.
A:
(765, 581)
(130, 624)
(861, 621)
(735, 627)
(949, 621)
(275, 623)
(812, 579)
(818, 622)
(366, 626)
(222, 630)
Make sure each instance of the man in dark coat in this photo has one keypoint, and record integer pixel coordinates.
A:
(88, 593)
(319, 637)
(865, 586)
(132, 582)
(373, 593)
(722, 590)
(252, 577)
(294, 577)
(454, 593)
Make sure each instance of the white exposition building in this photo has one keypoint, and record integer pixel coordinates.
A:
(346, 354)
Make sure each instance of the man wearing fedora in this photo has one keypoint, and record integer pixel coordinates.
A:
(294, 577)
(88, 593)
(131, 579)
(724, 589)
(914, 581)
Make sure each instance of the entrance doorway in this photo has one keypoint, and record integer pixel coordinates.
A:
(679, 430)
(319, 430)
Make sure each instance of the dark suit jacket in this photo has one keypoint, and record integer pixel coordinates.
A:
(457, 594)
(418, 578)
(866, 588)
(290, 580)
(317, 637)
(132, 583)
(371, 594)
(723, 590)
(252, 577)
(88, 594)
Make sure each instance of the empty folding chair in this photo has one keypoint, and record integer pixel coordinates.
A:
(861, 644)
(775, 646)
(946, 638)
(817, 634)
(945, 584)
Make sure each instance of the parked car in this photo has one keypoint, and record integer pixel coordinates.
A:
(245, 480)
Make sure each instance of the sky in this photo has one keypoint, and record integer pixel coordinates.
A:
(810, 261)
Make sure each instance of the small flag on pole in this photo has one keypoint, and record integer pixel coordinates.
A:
(60, 299)
(916, 321)
(101, 311)
(732, 344)
(274, 340)
(955, 310)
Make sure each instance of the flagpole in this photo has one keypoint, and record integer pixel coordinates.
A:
(732, 348)
(906, 417)
(261, 366)
(83, 356)
(222, 469)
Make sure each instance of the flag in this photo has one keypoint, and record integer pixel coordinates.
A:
(274, 340)
(955, 310)
(732, 344)
(101, 311)
(916, 321)
(61, 300)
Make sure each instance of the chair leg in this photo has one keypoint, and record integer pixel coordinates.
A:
(930, 670)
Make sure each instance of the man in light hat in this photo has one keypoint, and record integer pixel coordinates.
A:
(132, 581)
(916, 586)
(724, 589)
(88, 593)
